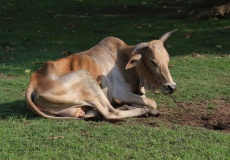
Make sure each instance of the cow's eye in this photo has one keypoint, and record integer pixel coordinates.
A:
(154, 62)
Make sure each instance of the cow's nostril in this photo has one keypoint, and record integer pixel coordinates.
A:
(172, 88)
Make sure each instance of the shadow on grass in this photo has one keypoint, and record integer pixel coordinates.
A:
(16, 109)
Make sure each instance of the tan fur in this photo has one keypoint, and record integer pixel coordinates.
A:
(90, 81)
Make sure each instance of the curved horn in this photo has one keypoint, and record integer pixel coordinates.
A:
(140, 46)
(167, 35)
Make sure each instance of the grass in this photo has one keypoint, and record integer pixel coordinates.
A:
(31, 139)
(34, 32)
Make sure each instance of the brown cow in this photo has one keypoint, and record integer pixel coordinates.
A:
(87, 84)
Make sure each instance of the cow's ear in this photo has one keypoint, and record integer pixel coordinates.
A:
(133, 61)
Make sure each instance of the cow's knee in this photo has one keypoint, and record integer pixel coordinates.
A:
(154, 105)
(151, 103)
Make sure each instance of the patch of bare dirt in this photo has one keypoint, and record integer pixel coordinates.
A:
(214, 115)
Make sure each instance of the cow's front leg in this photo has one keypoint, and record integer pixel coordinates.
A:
(150, 111)
(128, 97)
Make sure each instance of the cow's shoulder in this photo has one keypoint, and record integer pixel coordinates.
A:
(112, 42)
(111, 39)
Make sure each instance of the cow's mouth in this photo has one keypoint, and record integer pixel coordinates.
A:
(165, 88)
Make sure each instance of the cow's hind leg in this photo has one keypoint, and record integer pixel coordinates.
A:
(78, 112)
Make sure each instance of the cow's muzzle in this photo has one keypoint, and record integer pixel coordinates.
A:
(171, 88)
(168, 88)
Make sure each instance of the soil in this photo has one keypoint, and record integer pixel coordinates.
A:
(212, 115)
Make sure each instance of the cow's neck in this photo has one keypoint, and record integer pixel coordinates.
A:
(142, 74)
(127, 54)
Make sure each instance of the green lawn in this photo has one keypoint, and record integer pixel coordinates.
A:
(32, 32)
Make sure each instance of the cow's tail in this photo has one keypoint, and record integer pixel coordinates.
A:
(34, 108)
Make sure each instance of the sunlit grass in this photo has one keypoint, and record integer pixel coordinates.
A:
(34, 32)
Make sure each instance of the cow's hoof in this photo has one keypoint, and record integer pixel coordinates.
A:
(154, 112)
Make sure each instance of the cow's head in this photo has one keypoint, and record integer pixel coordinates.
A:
(151, 60)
